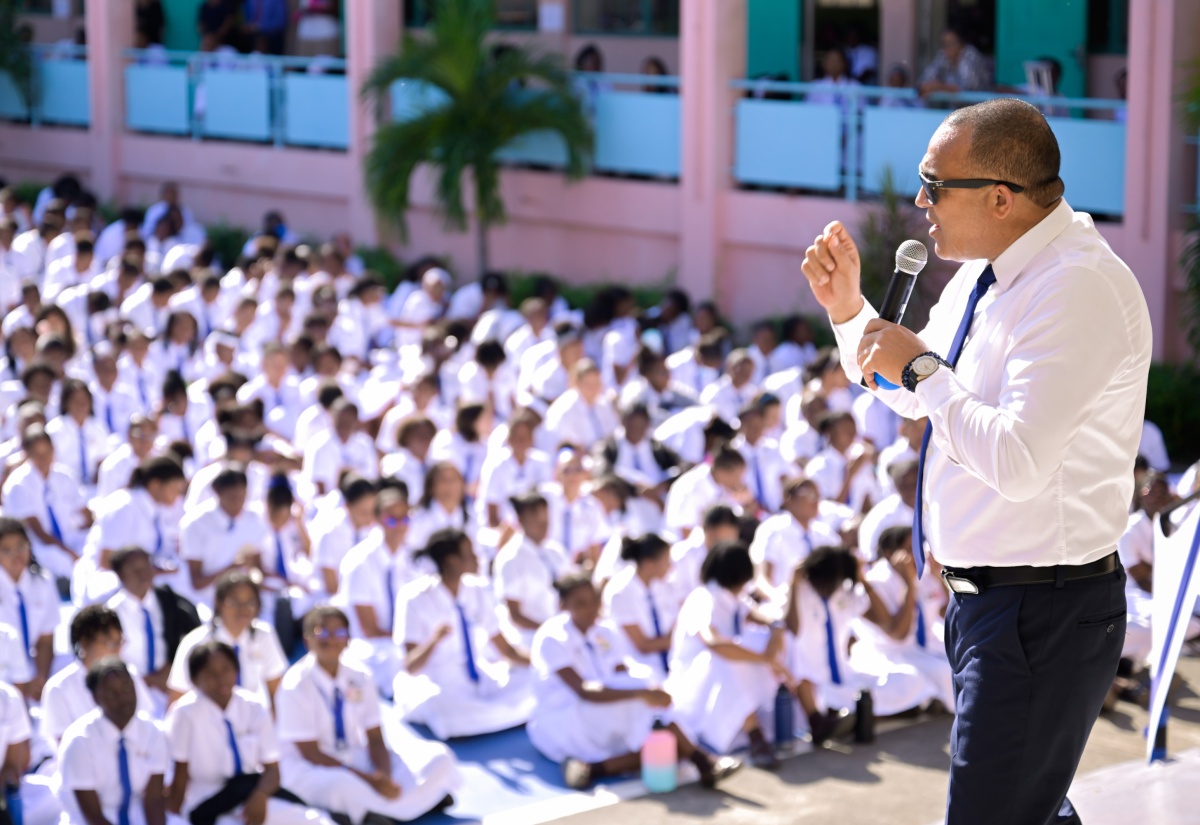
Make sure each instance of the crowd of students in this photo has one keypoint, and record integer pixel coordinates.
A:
(293, 513)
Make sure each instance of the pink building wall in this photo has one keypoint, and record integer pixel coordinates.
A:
(742, 248)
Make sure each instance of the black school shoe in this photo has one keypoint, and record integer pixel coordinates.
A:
(720, 770)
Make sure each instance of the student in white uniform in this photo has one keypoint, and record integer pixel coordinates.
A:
(226, 754)
(466, 446)
(221, 535)
(626, 515)
(339, 527)
(641, 602)
(525, 572)
(334, 750)
(145, 516)
(453, 681)
(344, 448)
(410, 456)
(48, 502)
(725, 664)
(765, 468)
(844, 469)
(721, 524)
(489, 379)
(721, 482)
(116, 470)
(591, 715)
(895, 510)
(278, 389)
(577, 521)
(909, 660)
(178, 349)
(29, 602)
(37, 799)
(420, 398)
(372, 574)
(443, 504)
(286, 555)
(236, 624)
(734, 390)
(782, 541)
(80, 440)
(582, 416)
(95, 635)
(512, 471)
(113, 759)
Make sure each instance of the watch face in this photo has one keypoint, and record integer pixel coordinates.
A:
(925, 365)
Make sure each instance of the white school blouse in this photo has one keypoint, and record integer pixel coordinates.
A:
(559, 644)
(503, 477)
(133, 613)
(627, 601)
(259, 653)
(783, 541)
(14, 718)
(525, 573)
(67, 436)
(198, 733)
(28, 494)
(41, 601)
(66, 698)
(427, 604)
(372, 575)
(214, 538)
(88, 761)
(709, 605)
(304, 709)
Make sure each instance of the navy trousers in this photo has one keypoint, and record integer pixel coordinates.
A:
(1032, 665)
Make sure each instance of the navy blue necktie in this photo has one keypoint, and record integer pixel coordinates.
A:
(737, 622)
(126, 783)
(921, 637)
(55, 527)
(831, 646)
(472, 668)
(149, 640)
(657, 630)
(960, 338)
(339, 719)
(24, 618)
(233, 746)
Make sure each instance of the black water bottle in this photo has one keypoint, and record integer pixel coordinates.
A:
(864, 718)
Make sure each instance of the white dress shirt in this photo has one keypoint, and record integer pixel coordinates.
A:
(118, 406)
(427, 604)
(134, 614)
(891, 512)
(281, 405)
(1035, 432)
(525, 573)
(728, 399)
(692, 494)
(78, 450)
(37, 593)
(88, 761)
(304, 708)
(66, 698)
(765, 470)
(327, 456)
(784, 542)
(572, 420)
(574, 525)
(259, 655)
(371, 575)
(503, 477)
(408, 468)
(27, 494)
(212, 537)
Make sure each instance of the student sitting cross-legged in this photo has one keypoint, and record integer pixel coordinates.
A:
(222, 740)
(592, 715)
(334, 752)
(448, 628)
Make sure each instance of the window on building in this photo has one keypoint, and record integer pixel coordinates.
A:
(510, 14)
(634, 17)
(1108, 26)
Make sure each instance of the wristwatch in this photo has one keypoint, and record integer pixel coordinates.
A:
(920, 368)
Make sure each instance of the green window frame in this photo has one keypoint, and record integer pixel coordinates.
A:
(511, 15)
(628, 18)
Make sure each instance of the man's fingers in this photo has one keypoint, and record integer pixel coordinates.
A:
(816, 274)
(824, 256)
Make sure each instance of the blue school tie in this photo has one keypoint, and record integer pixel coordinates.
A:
(126, 783)
(597, 427)
(657, 629)
(637, 460)
(758, 479)
(920, 624)
(737, 622)
(83, 461)
(108, 415)
(831, 646)
(472, 669)
(468, 467)
(24, 616)
(391, 595)
(339, 719)
(595, 657)
(158, 536)
(149, 640)
(237, 756)
(55, 528)
(960, 338)
(567, 528)
(280, 558)
(141, 384)
(237, 654)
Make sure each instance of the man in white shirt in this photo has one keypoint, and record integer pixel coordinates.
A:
(1033, 373)
(698, 366)
(147, 308)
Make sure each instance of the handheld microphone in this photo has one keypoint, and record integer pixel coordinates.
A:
(911, 258)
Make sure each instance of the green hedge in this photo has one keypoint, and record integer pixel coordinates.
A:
(1173, 403)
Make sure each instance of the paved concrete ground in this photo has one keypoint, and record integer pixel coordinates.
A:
(900, 779)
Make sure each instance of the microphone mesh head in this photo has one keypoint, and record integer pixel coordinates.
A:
(911, 257)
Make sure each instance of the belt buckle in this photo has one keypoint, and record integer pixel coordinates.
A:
(959, 584)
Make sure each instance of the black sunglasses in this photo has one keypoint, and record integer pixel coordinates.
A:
(931, 187)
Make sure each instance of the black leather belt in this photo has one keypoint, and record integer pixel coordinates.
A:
(974, 579)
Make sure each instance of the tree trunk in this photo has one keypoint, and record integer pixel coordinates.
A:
(481, 243)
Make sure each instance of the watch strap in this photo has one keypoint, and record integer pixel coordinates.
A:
(909, 378)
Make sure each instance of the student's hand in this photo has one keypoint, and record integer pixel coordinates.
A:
(255, 810)
(33, 688)
(834, 270)
(781, 672)
(656, 698)
(88, 518)
(902, 560)
(442, 632)
(385, 786)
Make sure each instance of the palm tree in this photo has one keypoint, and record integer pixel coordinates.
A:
(489, 99)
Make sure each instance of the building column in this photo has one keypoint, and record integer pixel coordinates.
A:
(712, 52)
(109, 33)
(1162, 37)
(898, 37)
(373, 30)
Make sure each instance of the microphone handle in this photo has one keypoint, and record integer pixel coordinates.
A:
(895, 301)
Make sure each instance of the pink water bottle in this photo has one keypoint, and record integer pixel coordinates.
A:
(660, 760)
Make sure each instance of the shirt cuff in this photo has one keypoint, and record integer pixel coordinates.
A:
(936, 390)
(848, 335)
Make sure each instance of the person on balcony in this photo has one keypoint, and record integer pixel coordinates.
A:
(266, 25)
(958, 67)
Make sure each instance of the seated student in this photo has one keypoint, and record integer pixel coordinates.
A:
(333, 748)
(512, 471)
(626, 515)
(577, 519)
(371, 575)
(443, 504)
(633, 453)
(154, 618)
(29, 603)
(95, 635)
(37, 798)
(340, 526)
(845, 468)
(725, 665)
(235, 622)
(221, 535)
(47, 500)
(222, 740)
(591, 715)
(466, 445)
(721, 482)
(344, 447)
(910, 662)
(641, 602)
(526, 569)
(445, 623)
(782, 541)
(140, 516)
(290, 586)
(410, 457)
(720, 524)
(113, 759)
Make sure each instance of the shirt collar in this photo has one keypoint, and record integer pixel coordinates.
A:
(1008, 264)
